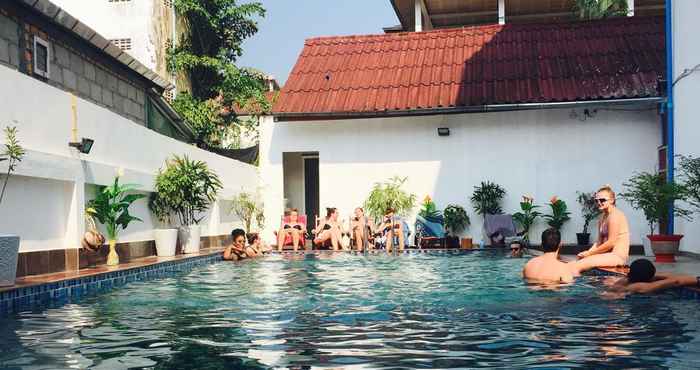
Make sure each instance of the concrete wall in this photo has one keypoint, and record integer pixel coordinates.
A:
(45, 203)
(686, 50)
(542, 153)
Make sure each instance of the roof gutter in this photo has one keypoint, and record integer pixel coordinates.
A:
(301, 116)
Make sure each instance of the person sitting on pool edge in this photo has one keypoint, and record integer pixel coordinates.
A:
(294, 228)
(548, 267)
(237, 250)
(392, 226)
(643, 278)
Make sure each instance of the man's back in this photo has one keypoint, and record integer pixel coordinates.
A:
(548, 268)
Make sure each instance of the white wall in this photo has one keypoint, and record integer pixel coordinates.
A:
(54, 175)
(119, 20)
(686, 50)
(542, 153)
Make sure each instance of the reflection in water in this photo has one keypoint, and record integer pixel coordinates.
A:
(350, 311)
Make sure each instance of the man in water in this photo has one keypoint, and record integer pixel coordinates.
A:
(643, 278)
(548, 267)
(516, 250)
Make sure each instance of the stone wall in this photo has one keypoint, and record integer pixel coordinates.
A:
(71, 69)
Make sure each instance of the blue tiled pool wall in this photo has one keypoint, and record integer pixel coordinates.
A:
(27, 298)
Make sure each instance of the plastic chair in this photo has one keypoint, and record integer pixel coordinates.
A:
(288, 238)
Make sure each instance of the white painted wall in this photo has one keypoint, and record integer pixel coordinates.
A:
(119, 20)
(45, 205)
(542, 153)
(686, 50)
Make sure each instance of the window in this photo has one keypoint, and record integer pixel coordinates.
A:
(42, 57)
(124, 44)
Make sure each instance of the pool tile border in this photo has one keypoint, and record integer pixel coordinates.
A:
(40, 295)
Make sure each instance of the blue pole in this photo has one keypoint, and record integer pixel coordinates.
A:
(669, 105)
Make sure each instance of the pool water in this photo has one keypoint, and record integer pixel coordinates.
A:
(329, 310)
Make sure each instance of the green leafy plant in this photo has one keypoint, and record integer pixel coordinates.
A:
(527, 216)
(186, 188)
(429, 209)
(111, 207)
(248, 209)
(456, 219)
(160, 208)
(653, 195)
(597, 9)
(559, 214)
(690, 173)
(589, 209)
(12, 153)
(487, 198)
(389, 194)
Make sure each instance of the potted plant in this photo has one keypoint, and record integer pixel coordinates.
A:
(487, 198)
(92, 239)
(194, 188)
(165, 238)
(9, 244)
(653, 195)
(111, 208)
(690, 173)
(456, 221)
(248, 209)
(526, 217)
(589, 211)
(559, 214)
(389, 194)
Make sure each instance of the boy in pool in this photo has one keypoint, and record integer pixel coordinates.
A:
(548, 267)
(643, 278)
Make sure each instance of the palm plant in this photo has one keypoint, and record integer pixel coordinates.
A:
(429, 209)
(13, 153)
(589, 209)
(597, 9)
(527, 216)
(248, 209)
(487, 198)
(690, 173)
(559, 214)
(456, 218)
(389, 194)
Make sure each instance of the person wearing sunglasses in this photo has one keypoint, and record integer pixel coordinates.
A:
(613, 245)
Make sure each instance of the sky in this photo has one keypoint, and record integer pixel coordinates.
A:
(276, 46)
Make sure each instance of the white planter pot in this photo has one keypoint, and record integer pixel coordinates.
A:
(9, 248)
(166, 242)
(189, 237)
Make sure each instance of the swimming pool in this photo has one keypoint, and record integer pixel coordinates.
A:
(341, 310)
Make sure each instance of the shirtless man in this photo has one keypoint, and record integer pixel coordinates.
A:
(548, 267)
(644, 279)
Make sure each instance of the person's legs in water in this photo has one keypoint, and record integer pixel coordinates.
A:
(389, 240)
(358, 235)
(599, 260)
(399, 231)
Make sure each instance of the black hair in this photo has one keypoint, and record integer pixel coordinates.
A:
(641, 271)
(330, 211)
(236, 233)
(252, 237)
(550, 240)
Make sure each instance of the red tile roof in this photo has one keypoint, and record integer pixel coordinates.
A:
(476, 66)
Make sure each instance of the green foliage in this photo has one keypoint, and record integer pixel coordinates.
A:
(429, 208)
(248, 209)
(186, 188)
(487, 198)
(456, 218)
(206, 52)
(389, 194)
(13, 154)
(559, 214)
(652, 194)
(690, 173)
(589, 208)
(111, 207)
(527, 216)
(597, 9)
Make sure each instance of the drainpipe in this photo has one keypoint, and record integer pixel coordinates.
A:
(669, 106)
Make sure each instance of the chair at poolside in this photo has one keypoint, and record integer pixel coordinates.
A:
(500, 230)
(430, 232)
(288, 242)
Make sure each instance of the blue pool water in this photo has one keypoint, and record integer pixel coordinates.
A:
(346, 311)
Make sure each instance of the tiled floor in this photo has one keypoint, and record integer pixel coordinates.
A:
(134, 263)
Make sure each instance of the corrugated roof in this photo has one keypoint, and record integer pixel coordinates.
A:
(73, 25)
(476, 66)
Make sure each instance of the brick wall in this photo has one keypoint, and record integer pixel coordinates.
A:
(70, 69)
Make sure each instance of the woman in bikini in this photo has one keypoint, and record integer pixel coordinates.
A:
(613, 245)
(293, 228)
(329, 229)
(361, 228)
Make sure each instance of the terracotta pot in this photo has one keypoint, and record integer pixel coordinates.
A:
(467, 243)
(665, 247)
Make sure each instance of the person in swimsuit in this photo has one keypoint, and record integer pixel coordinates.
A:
(361, 227)
(643, 278)
(329, 230)
(293, 228)
(392, 226)
(613, 245)
(256, 245)
(237, 250)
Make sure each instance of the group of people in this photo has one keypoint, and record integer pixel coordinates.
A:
(335, 235)
(610, 250)
(238, 250)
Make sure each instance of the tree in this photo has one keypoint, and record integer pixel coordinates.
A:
(206, 52)
(597, 9)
